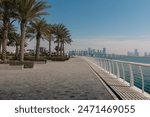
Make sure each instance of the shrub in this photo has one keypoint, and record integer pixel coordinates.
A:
(59, 58)
(32, 58)
(27, 64)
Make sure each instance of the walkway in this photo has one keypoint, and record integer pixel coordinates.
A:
(68, 80)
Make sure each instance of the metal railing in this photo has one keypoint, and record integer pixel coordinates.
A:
(128, 71)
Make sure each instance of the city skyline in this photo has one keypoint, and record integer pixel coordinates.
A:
(92, 51)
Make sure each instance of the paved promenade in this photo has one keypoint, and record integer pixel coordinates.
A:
(68, 80)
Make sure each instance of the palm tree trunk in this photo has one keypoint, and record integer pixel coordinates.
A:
(37, 47)
(63, 49)
(23, 31)
(49, 47)
(4, 42)
(58, 47)
(17, 51)
(0, 46)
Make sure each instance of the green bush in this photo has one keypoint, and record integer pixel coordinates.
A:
(32, 58)
(27, 64)
(59, 58)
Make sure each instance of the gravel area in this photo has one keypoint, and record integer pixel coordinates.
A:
(70, 80)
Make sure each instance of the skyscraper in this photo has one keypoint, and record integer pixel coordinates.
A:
(104, 50)
(136, 53)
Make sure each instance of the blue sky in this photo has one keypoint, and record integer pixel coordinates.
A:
(96, 18)
(114, 24)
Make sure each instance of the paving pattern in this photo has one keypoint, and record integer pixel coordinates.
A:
(70, 80)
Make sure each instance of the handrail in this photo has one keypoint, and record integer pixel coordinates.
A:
(133, 63)
(115, 66)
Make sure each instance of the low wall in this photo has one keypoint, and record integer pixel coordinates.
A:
(10, 67)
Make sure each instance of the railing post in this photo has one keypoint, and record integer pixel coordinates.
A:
(100, 63)
(118, 71)
(107, 68)
(113, 68)
(110, 69)
(142, 78)
(105, 65)
(123, 71)
(131, 76)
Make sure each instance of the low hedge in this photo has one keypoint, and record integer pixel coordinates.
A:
(32, 58)
(59, 58)
(26, 64)
(28, 58)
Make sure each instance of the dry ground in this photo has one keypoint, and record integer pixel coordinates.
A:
(68, 80)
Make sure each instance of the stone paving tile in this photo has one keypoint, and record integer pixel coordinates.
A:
(70, 80)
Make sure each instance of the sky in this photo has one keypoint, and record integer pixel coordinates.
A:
(118, 25)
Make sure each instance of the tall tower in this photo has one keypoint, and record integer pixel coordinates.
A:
(104, 50)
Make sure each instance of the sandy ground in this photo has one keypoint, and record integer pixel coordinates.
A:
(68, 80)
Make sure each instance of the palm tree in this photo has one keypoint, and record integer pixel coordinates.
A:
(27, 11)
(7, 12)
(66, 40)
(59, 30)
(38, 29)
(50, 37)
(62, 37)
(14, 40)
(0, 38)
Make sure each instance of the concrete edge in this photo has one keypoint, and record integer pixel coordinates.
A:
(105, 85)
(107, 88)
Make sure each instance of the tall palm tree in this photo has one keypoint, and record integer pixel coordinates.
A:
(29, 10)
(59, 30)
(0, 43)
(0, 38)
(62, 37)
(7, 11)
(14, 40)
(66, 40)
(39, 29)
(50, 37)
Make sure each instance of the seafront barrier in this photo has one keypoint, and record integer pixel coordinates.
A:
(135, 74)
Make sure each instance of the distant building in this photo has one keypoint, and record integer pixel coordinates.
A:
(42, 50)
(130, 54)
(136, 53)
(145, 54)
(104, 51)
(88, 52)
(30, 51)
